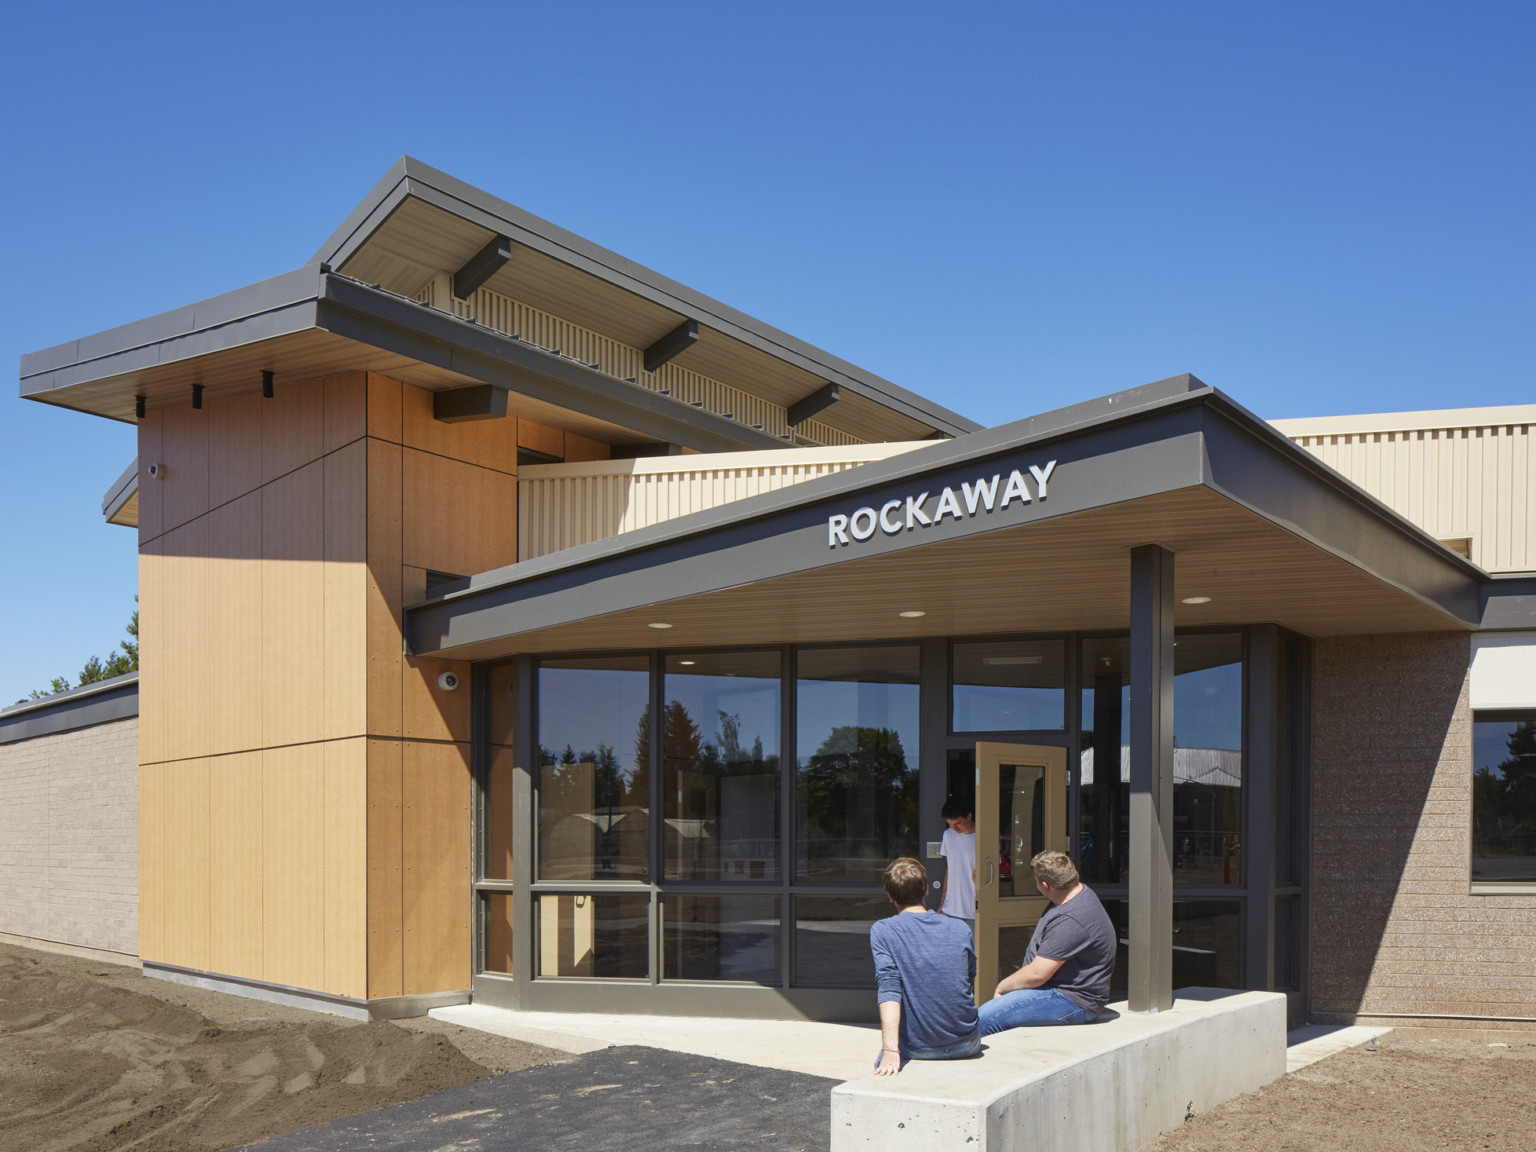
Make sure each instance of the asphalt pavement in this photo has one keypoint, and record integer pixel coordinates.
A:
(627, 1098)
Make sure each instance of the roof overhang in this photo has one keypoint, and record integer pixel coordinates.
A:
(1260, 526)
(310, 323)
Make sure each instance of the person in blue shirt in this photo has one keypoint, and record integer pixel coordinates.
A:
(925, 967)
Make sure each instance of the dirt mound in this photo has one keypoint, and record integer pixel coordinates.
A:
(94, 1057)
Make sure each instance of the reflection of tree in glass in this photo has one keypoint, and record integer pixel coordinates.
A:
(1504, 798)
(859, 796)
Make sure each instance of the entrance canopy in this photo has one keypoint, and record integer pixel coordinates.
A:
(1025, 527)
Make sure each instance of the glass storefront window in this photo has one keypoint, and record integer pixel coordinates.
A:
(604, 934)
(496, 910)
(1207, 759)
(856, 744)
(832, 940)
(721, 785)
(1009, 686)
(594, 769)
(1207, 944)
(1504, 797)
(733, 937)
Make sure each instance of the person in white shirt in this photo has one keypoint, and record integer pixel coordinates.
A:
(959, 851)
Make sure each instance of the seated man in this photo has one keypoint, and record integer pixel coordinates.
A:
(1070, 958)
(924, 969)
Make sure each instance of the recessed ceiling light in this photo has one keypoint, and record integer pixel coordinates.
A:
(911, 615)
(686, 663)
(658, 624)
(1197, 599)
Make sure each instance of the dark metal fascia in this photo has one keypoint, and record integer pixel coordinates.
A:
(122, 490)
(106, 700)
(384, 320)
(275, 307)
(1288, 486)
(1509, 603)
(1113, 462)
(410, 177)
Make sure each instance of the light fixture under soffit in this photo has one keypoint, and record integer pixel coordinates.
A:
(1196, 600)
(998, 661)
(658, 624)
(911, 615)
(687, 663)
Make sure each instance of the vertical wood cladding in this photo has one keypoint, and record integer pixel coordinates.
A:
(305, 789)
(1394, 929)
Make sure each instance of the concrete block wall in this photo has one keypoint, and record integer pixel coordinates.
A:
(1395, 930)
(69, 837)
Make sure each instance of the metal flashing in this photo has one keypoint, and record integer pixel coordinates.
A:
(122, 490)
(98, 703)
(352, 1007)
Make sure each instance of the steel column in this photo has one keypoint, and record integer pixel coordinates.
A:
(1151, 809)
(1261, 710)
(525, 769)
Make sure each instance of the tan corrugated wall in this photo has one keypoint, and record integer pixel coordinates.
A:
(1461, 477)
(623, 362)
(563, 505)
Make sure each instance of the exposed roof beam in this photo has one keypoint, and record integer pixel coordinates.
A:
(481, 267)
(681, 338)
(477, 402)
(807, 406)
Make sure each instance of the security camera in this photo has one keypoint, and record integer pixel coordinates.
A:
(156, 471)
(448, 681)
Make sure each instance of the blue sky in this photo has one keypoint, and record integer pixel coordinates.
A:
(1320, 208)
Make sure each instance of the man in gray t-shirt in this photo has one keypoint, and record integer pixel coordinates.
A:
(1069, 961)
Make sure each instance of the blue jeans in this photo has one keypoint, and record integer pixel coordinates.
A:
(1029, 1008)
(960, 1050)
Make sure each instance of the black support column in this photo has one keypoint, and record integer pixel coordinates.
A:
(1150, 982)
(1262, 714)
(525, 770)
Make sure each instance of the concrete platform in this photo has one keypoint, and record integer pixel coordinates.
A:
(1107, 1087)
(837, 1051)
(1313, 1042)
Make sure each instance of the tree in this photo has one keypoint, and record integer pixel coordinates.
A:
(118, 663)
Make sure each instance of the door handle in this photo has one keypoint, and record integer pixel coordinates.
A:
(989, 872)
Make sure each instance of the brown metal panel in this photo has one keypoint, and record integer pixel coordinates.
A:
(292, 428)
(346, 409)
(541, 438)
(457, 517)
(383, 590)
(237, 869)
(293, 606)
(293, 867)
(183, 480)
(488, 443)
(149, 439)
(346, 867)
(235, 655)
(234, 446)
(384, 868)
(436, 873)
(346, 592)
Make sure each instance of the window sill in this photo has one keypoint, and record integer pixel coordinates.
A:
(1502, 888)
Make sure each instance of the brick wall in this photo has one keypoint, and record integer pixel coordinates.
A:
(1394, 928)
(69, 837)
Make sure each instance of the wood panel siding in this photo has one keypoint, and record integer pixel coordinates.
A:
(345, 591)
(541, 438)
(236, 657)
(563, 505)
(183, 479)
(234, 452)
(293, 906)
(293, 607)
(1467, 477)
(384, 591)
(237, 861)
(486, 443)
(385, 849)
(151, 520)
(458, 517)
(345, 867)
(436, 866)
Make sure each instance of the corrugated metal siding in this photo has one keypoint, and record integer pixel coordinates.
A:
(1477, 483)
(563, 505)
(623, 362)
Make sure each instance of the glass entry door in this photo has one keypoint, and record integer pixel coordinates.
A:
(1021, 809)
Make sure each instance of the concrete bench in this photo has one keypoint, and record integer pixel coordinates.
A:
(1107, 1087)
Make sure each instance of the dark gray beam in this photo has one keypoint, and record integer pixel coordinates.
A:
(1150, 865)
(807, 406)
(481, 267)
(477, 402)
(674, 343)
(1261, 742)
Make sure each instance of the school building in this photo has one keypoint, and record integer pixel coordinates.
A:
(521, 625)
